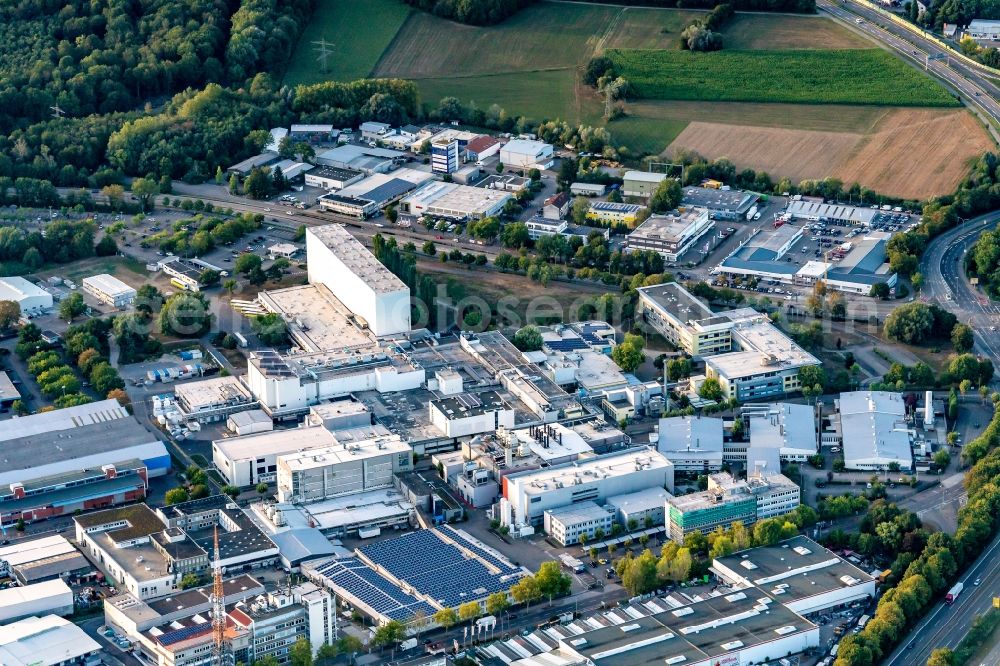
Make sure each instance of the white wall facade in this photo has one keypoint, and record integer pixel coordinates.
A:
(387, 313)
(471, 425)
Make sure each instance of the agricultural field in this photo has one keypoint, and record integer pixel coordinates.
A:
(879, 157)
(784, 31)
(847, 76)
(357, 32)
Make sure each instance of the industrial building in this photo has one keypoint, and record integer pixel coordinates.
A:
(357, 279)
(333, 178)
(641, 183)
(984, 30)
(721, 204)
(481, 148)
(468, 414)
(243, 169)
(365, 198)
(373, 131)
(8, 392)
(874, 431)
(728, 500)
(147, 553)
(587, 189)
(454, 201)
(184, 273)
(42, 559)
(526, 154)
(787, 429)
(644, 508)
(49, 640)
(691, 443)
(313, 134)
(527, 495)
(539, 226)
(213, 399)
(249, 422)
(684, 320)
(109, 290)
(817, 211)
(766, 362)
(51, 597)
(360, 158)
(568, 523)
(84, 457)
(806, 577)
(260, 624)
(444, 155)
(31, 298)
(672, 234)
(344, 468)
(761, 254)
(611, 213)
(725, 629)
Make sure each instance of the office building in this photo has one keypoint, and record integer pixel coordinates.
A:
(527, 495)
(644, 508)
(721, 204)
(184, 273)
(611, 213)
(444, 155)
(691, 443)
(109, 290)
(684, 320)
(641, 183)
(672, 234)
(471, 413)
(568, 523)
(874, 431)
(800, 573)
(49, 640)
(357, 279)
(30, 298)
(728, 500)
(77, 458)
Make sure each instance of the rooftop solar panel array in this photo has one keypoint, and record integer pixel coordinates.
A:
(588, 333)
(501, 564)
(183, 634)
(566, 344)
(438, 569)
(363, 583)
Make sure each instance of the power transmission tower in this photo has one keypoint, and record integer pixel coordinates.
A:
(324, 51)
(220, 655)
(57, 112)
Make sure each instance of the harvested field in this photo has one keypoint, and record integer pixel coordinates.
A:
(776, 32)
(882, 159)
(916, 153)
(645, 28)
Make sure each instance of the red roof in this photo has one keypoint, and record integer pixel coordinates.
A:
(559, 199)
(481, 143)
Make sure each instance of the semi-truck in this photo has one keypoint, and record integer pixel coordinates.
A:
(751, 212)
(953, 593)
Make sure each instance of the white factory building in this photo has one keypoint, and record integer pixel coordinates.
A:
(48, 597)
(874, 431)
(526, 154)
(527, 495)
(339, 261)
(454, 201)
(568, 523)
(48, 640)
(471, 414)
(345, 468)
(109, 290)
(788, 430)
(802, 574)
(32, 298)
(691, 443)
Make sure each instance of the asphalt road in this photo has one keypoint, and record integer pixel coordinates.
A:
(946, 625)
(967, 81)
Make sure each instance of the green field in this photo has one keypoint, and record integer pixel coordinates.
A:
(850, 76)
(359, 32)
(781, 31)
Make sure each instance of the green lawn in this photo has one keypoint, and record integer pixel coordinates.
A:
(851, 76)
(359, 30)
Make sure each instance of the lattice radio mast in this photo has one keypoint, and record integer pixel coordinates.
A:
(221, 656)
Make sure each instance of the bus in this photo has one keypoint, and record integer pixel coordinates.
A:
(177, 283)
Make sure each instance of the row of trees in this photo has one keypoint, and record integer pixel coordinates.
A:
(473, 12)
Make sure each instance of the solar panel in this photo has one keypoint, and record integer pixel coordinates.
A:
(184, 634)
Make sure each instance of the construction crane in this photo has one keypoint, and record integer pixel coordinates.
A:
(220, 655)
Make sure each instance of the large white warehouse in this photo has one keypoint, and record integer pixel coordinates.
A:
(31, 298)
(353, 274)
(526, 154)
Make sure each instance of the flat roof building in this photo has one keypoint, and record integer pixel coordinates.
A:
(41, 559)
(360, 158)
(454, 201)
(471, 413)
(29, 297)
(761, 253)
(526, 154)
(333, 178)
(672, 234)
(357, 279)
(8, 392)
(684, 320)
(821, 212)
(46, 641)
(568, 523)
(109, 290)
(213, 399)
(800, 573)
(609, 212)
(691, 443)
(722, 204)
(644, 507)
(874, 430)
(51, 597)
(787, 428)
(641, 183)
(527, 495)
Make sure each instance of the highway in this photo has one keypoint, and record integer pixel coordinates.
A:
(969, 82)
(946, 625)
